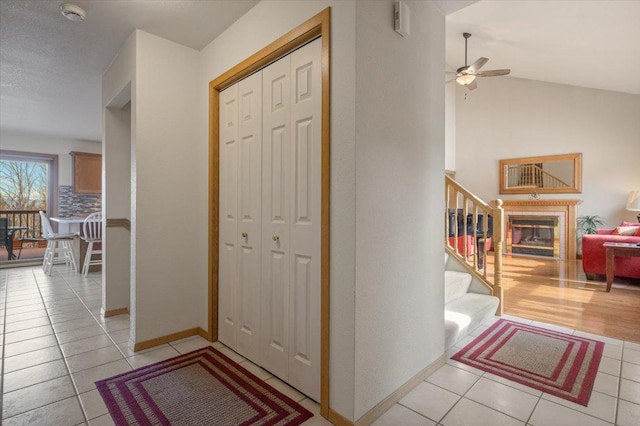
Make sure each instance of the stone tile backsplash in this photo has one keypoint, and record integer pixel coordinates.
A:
(70, 204)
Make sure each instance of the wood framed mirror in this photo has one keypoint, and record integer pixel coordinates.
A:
(549, 174)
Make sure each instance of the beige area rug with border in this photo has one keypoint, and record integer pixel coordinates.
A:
(556, 363)
(203, 387)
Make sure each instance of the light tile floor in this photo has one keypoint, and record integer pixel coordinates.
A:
(55, 346)
(459, 395)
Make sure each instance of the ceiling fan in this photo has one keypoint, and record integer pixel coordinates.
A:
(467, 74)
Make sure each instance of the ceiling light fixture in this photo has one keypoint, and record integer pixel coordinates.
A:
(72, 12)
(465, 79)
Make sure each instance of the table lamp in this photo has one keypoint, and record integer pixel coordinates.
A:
(633, 203)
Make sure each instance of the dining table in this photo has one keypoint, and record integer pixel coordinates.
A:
(69, 225)
(73, 225)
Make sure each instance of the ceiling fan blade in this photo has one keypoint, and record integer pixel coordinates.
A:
(462, 70)
(474, 67)
(493, 73)
(472, 85)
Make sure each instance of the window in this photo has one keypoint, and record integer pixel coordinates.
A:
(28, 181)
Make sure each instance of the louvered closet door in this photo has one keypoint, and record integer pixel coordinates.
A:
(249, 214)
(228, 220)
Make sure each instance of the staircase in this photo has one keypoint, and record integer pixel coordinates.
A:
(473, 291)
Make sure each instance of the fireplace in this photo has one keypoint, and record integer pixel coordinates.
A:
(533, 235)
(564, 210)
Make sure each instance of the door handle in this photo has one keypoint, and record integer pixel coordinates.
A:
(245, 235)
(276, 238)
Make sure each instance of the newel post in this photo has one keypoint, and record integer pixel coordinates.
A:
(498, 238)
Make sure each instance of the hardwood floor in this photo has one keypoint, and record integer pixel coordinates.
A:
(557, 292)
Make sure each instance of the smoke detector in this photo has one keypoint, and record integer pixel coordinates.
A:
(72, 12)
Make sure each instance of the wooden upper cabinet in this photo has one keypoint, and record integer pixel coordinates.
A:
(87, 173)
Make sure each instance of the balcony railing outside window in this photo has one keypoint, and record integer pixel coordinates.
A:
(29, 220)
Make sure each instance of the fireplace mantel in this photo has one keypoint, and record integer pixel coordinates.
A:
(565, 208)
(551, 202)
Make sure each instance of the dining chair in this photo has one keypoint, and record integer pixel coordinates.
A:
(59, 247)
(30, 236)
(92, 234)
(5, 236)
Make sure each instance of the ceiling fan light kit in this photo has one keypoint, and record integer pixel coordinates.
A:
(467, 74)
(465, 79)
(72, 12)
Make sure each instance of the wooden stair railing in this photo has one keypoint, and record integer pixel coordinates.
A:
(472, 228)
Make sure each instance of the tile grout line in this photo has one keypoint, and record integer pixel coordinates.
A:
(541, 397)
(84, 412)
(98, 322)
(619, 395)
(3, 343)
(64, 359)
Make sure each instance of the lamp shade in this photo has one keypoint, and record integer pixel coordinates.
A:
(466, 79)
(633, 203)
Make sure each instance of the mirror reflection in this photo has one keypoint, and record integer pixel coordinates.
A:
(551, 174)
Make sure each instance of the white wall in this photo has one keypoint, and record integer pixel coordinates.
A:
(169, 198)
(508, 117)
(118, 88)
(169, 178)
(116, 182)
(450, 126)
(17, 141)
(399, 198)
(387, 157)
(263, 24)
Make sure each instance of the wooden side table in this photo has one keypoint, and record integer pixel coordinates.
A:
(618, 249)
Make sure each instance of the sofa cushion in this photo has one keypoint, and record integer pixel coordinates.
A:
(604, 231)
(594, 259)
(626, 230)
(466, 313)
(630, 224)
(456, 284)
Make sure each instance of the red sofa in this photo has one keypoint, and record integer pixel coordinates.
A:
(594, 258)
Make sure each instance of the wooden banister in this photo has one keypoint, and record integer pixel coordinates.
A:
(471, 226)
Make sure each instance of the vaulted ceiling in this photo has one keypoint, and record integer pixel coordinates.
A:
(589, 43)
(51, 68)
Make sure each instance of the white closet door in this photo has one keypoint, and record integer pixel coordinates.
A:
(249, 214)
(276, 216)
(306, 150)
(228, 218)
(270, 195)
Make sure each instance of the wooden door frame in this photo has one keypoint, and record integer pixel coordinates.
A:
(317, 26)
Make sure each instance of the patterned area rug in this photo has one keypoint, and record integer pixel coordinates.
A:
(556, 363)
(203, 387)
